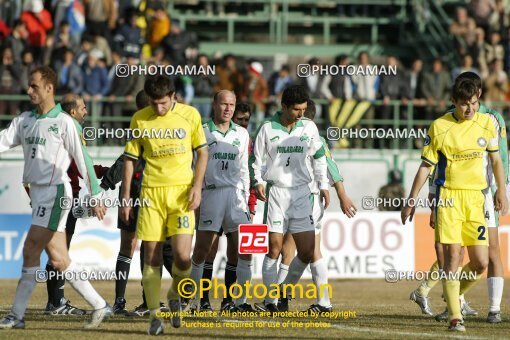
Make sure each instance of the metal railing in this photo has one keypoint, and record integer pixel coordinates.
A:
(278, 14)
(401, 116)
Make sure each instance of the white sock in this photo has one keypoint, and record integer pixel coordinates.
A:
(320, 277)
(24, 290)
(495, 287)
(84, 288)
(197, 270)
(243, 271)
(269, 276)
(296, 269)
(282, 273)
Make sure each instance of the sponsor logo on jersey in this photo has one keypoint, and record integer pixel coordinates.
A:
(208, 222)
(289, 149)
(277, 222)
(169, 151)
(274, 139)
(213, 143)
(224, 155)
(468, 156)
(236, 142)
(35, 140)
(25, 126)
(481, 141)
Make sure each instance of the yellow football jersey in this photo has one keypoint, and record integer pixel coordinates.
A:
(457, 149)
(166, 143)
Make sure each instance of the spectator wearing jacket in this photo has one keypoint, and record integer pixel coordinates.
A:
(70, 76)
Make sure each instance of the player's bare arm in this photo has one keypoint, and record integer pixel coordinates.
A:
(260, 192)
(195, 194)
(432, 222)
(127, 176)
(500, 200)
(346, 204)
(419, 181)
(325, 197)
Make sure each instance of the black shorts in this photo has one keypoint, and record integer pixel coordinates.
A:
(131, 226)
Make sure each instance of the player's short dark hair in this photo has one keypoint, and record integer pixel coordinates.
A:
(464, 90)
(142, 100)
(294, 94)
(69, 102)
(242, 107)
(48, 75)
(311, 110)
(471, 76)
(159, 86)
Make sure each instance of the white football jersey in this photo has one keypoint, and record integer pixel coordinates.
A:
(228, 158)
(49, 143)
(280, 157)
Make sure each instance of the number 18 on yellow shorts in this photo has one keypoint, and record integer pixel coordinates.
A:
(165, 214)
(460, 217)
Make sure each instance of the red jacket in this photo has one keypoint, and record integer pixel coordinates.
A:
(74, 175)
(37, 26)
(5, 31)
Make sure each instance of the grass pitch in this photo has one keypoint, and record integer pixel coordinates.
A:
(383, 311)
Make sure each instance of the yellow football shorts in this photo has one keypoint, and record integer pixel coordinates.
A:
(166, 215)
(460, 217)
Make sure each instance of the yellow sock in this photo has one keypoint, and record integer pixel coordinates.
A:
(428, 284)
(151, 281)
(466, 281)
(178, 275)
(451, 290)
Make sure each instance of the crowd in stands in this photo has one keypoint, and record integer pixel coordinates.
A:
(482, 32)
(83, 40)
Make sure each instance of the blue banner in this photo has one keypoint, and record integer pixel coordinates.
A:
(13, 232)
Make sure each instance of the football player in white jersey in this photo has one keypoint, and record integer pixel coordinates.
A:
(50, 139)
(282, 180)
(318, 266)
(226, 191)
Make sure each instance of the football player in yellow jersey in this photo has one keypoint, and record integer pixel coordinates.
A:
(166, 134)
(495, 281)
(457, 143)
